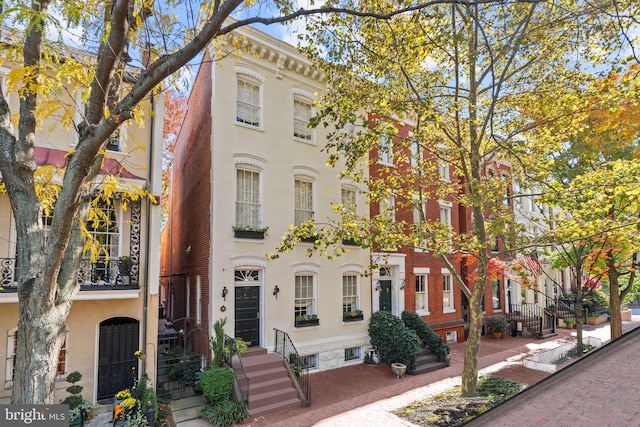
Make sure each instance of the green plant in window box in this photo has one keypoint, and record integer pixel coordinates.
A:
(307, 320)
(249, 232)
(249, 228)
(352, 315)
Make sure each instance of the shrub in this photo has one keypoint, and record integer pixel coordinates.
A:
(217, 343)
(224, 413)
(147, 394)
(498, 324)
(77, 404)
(497, 388)
(430, 339)
(394, 341)
(217, 384)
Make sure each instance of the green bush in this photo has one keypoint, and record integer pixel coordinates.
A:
(393, 340)
(430, 339)
(497, 388)
(147, 394)
(217, 343)
(224, 413)
(217, 384)
(595, 298)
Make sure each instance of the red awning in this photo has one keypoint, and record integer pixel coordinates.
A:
(52, 157)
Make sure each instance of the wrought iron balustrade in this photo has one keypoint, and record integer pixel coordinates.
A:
(99, 275)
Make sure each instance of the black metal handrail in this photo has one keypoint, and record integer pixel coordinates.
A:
(534, 317)
(285, 348)
(233, 358)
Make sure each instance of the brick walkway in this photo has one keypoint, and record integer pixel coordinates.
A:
(364, 395)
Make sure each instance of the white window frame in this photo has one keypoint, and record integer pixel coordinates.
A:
(243, 203)
(422, 272)
(349, 199)
(443, 171)
(385, 150)
(249, 77)
(447, 289)
(445, 209)
(301, 130)
(352, 354)
(312, 307)
(310, 361)
(355, 287)
(303, 209)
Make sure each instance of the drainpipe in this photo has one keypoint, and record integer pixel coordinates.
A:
(145, 307)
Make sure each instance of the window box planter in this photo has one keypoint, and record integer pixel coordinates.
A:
(308, 320)
(246, 234)
(349, 242)
(352, 316)
(311, 239)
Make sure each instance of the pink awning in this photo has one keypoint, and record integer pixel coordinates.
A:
(52, 157)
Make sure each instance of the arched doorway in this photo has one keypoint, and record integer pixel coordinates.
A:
(117, 364)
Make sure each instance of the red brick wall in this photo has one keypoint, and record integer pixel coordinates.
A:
(186, 239)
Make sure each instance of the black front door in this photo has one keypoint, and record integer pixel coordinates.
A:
(247, 316)
(385, 295)
(117, 363)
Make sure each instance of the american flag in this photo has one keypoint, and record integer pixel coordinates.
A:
(531, 263)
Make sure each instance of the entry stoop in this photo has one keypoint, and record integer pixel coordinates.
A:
(426, 362)
(271, 386)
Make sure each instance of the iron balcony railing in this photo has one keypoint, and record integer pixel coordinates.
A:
(101, 275)
(285, 348)
(233, 358)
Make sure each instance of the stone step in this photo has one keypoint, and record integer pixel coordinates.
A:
(261, 375)
(427, 367)
(267, 385)
(188, 402)
(261, 362)
(257, 400)
(185, 414)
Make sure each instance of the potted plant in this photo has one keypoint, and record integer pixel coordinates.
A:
(306, 320)
(352, 316)
(498, 326)
(79, 408)
(124, 269)
(249, 232)
(569, 322)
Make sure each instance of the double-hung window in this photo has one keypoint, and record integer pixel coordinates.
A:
(422, 290)
(248, 206)
(301, 117)
(350, 300)
(443, 170)
(495, 294)
(447, 293)
(445, 219)
(303, 201)
(349, 200)
(305, 301)
(248, 103)
(385, 150)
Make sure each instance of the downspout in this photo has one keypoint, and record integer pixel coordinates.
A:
(145, 306)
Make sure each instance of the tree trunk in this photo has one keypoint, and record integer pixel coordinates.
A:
(614, 299)
(470, 367)
(41, 333)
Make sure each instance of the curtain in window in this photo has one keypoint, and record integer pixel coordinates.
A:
(248, 103)
(303, 201)
(248, 198)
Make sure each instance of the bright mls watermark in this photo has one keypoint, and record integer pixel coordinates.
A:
(34, 415)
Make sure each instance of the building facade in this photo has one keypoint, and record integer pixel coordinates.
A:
(115, 312)
(247, 167)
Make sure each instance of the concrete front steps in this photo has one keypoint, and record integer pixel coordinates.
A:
(271, 383)
(426, 362)
(186, 410)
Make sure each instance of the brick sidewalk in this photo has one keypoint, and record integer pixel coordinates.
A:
(365, 395)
